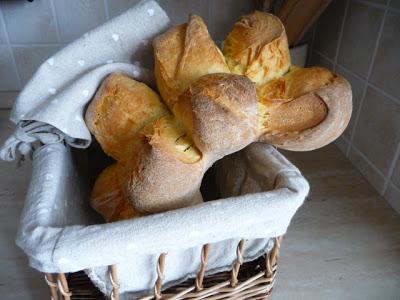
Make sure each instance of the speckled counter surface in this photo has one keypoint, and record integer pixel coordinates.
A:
(344, 242)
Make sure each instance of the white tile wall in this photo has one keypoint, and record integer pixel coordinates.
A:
(32, 31)
(74, 18)
(29, 22)
(29, 58)
(3, 36)
(8, 75)
(7, 99)
(368, 55)
(115, 7)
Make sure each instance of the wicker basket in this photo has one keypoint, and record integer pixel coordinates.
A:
(39, 237)
(251, 280)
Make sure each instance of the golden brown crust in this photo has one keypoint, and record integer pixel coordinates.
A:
(156, 181)
(107, 196)
(182, 55)
(221, 110)
(257, 47)
(120, 109)
(283, 110)
(162, 157)
(313, 116)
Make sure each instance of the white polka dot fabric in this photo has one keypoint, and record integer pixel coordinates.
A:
(261, 191)
(65, 83)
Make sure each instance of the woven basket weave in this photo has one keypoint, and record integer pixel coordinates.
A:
(251, 280)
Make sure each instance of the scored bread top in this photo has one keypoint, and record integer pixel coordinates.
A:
(221, 111)
(257, 47)
(182, 55)
(108, 198)
(124, 112)
(120, 109)
(163, 151)
(310, 117)
(281, 105)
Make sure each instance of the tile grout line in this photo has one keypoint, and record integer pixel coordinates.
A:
(369, 163)
(372, 4)
(394, 99)
(11, 52)
(340, 35)
(369, 3)
(397, 152)
(391, 168)
(345, 138)
(106, 10)
(335, 63)
(311, 48)
(339, 44)
(323, 56)
(57, 26)
(378, 89)
(371, 65)
(33, 45)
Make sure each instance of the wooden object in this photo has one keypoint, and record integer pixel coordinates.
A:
(251, 280)
(299, 15)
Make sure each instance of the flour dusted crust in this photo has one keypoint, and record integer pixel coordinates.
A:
(182, 55)
(211, 105)
(119, 110)
(156, 181)
(302, 104)
(334, 100)
(221, 112)
(257, 47)
(108, 198)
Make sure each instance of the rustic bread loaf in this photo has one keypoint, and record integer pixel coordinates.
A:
(292, 112)
(220, 112)
(183, 54)
(257, 47)
(213, 108)
(118, 112)
(305, 109)
(108, 198)
(164, 166)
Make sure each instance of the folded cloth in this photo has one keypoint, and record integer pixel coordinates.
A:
(58, 231)
(53, 102)
(261, 190)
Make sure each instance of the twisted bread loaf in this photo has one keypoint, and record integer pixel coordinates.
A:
(213, 108)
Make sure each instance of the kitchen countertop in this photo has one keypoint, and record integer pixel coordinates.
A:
(344, 242)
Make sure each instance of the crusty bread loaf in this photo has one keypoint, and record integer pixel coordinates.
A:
(313, 115)
(156, 181)
(164, 166)
(118, 112)
(108, 197)
(291, 111)
(220, 111)
(162, 153)
(182, 55)
(303, 101)
(257, 47)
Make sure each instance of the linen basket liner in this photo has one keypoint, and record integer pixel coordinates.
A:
(58, 231)
(263, 190)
